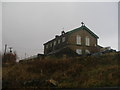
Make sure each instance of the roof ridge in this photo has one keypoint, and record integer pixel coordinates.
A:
(83, 27)
(76, 29)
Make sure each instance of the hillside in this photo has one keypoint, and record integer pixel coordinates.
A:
(79, 72)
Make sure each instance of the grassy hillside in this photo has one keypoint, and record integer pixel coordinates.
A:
(77, 72)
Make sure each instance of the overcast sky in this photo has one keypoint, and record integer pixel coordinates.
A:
(0, 26)
(27, 26)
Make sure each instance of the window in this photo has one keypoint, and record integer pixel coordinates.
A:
(63, 39)
(78, 39)
(87, 41)
(46, 46)
(79, 51)
(54, 43)
(59, 41)
(50, 44)
(87, 51)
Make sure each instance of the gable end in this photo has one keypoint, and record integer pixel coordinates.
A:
(83, 28)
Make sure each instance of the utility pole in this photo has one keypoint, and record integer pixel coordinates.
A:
(5, 49)
(5, 53)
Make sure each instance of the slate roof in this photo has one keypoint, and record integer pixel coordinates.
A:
(77, 29)
(83, 28)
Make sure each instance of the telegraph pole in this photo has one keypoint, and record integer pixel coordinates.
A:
(5, 53)
(5, 49)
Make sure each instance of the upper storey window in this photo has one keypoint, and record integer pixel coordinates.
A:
(51, 44)
(78, 39)
(87, 41)
(63, 39)
(59, 41)
(47, 46)
(54, 43)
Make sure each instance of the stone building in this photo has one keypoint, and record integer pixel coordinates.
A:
(80, 41)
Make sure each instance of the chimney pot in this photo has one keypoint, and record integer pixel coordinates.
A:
(63, 32)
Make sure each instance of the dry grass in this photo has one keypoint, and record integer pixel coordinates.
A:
(80, 72)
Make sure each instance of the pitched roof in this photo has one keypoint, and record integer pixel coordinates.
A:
(54, 39)
(77, 29)
(83, 28)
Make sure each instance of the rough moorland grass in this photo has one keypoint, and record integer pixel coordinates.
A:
(79, 72)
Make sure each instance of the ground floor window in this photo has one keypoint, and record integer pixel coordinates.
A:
(79, 51)
(87, 51)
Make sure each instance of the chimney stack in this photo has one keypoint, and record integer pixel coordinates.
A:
(56, 36)
(63, 32)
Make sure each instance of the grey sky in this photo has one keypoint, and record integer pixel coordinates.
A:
(27, 26)
(0, 26)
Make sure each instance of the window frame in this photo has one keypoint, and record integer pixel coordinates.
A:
(87, 51)
(63, 39)
(78, 40)
(87, 41)
(46, 46)
(59, 41)
(54, 43)
(79, 51)
(51, 44)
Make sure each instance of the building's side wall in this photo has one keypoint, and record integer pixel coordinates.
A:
(83, 33)
(70, 41)
(55, 47)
